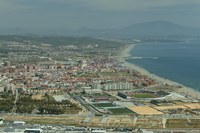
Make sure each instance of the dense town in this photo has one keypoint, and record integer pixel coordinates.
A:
(86, 85)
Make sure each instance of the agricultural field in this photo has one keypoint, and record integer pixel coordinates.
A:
(103, 105)
(183, 123)
(144, 95)
(121, 111)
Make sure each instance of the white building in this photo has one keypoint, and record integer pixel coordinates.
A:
(1, 121)
(19, 122)
(117, 86)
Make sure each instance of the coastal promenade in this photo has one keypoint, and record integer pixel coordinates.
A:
(125, 53)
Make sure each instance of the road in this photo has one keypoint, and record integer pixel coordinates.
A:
(16, 99)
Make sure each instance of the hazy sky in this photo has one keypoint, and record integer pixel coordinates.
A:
(96, 13)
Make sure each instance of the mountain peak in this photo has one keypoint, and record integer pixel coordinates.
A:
(158, 28)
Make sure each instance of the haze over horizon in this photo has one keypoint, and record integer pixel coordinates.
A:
(97, 14)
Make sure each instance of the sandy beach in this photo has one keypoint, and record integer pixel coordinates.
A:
(125, 52)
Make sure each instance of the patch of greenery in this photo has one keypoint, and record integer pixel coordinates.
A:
(183, 123)
(121, 111)
(144, 95)
(47, 105)
(6, 105)
(6, 102)
(100, 105)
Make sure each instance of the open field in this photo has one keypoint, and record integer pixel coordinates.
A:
(111, 121)
(193, 105)
(183, 123)
(170, 107)
(183, 106)
(47, 119)
(145, 110)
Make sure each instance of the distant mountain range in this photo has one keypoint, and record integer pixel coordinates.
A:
(155, 28)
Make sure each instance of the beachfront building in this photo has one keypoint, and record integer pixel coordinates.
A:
(117, 86)
(112, 86)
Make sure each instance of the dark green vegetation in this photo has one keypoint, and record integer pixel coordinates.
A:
(121, 111)
(101, 105)
(183, 123)
(47, 105)
(6, 102)
(144, 95)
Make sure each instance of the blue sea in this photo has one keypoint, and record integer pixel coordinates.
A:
(177, 61)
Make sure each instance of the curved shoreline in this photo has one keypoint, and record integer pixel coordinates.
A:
(126, 52)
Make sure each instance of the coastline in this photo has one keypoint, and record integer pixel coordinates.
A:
(126, 52)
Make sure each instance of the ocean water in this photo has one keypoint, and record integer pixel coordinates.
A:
(177, 61)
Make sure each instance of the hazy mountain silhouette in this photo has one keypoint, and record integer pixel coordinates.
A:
(154, 28)
(158, 28)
